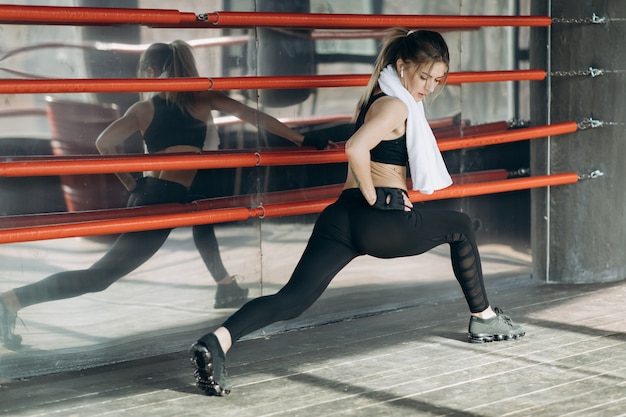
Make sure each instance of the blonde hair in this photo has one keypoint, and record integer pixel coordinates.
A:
(421, 47)
(174, 60)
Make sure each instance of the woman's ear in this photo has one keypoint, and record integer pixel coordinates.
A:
(151, 73)
(400, 64)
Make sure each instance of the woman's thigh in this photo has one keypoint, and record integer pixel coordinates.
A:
(390, 234)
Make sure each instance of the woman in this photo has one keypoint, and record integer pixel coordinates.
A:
(169, 122)
(373, 215)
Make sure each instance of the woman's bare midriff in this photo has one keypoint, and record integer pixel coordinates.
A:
(183, 177)
(383, 175)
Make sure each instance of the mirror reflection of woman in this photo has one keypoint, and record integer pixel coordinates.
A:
(169, 122)
(373, 214)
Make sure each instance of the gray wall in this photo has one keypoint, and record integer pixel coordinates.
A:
(579, 230)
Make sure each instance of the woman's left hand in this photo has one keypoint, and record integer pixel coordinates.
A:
(318, 142)
(392, 199)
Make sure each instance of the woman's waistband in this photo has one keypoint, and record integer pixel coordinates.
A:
(353, 195)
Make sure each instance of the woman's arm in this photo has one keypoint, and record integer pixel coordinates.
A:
(223, 103)
(384, 117)
(112, 138)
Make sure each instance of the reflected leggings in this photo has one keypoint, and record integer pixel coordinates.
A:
(350, 228)
(128, 252)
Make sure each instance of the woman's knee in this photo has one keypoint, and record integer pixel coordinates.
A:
(290, 306)
(99, 279)
(462, 220)
(463, 225)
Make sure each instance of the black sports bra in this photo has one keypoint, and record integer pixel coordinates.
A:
(387, 151)
(171, 126)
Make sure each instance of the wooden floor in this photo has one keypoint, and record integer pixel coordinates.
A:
(411, 362)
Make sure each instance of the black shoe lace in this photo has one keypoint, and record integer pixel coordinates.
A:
(7, 324)
(500, 313)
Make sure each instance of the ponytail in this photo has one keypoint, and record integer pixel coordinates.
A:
(174, 60)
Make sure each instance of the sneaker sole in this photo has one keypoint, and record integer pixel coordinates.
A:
(9, 339)
(14, 342)
(202, 362)
(232, 303)
(487, 338)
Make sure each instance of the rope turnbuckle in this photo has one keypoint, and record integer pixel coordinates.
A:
(592, 175)
(591, 123)
(593, 72)
(594, 19)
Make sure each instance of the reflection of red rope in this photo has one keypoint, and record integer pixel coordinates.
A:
(43, 15)
(33, 111)
(301, 194)
(119, 47)
(21, 166)
(192, 214)
(454, 131)
(438, 124)
(292, 121)
(138, 85)
(54, 15)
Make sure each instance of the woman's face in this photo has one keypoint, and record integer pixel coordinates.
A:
(421, 81)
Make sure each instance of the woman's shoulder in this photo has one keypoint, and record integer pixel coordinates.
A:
(142, 109)
(388, 106)
(142, 106)
(206, 101)
(141, 112)
(207, 97)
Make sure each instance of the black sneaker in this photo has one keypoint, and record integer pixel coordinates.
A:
(494, 329)
(209, 361)
(10, 340)
(230, 295)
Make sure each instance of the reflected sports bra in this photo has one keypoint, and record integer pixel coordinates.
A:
(171, 126)
(387, 151)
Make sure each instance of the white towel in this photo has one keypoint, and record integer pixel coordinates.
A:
(428, 170)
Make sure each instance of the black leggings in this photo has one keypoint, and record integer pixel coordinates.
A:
(350, 228)
(128, 252)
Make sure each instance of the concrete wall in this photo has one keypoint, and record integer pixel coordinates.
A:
(579, 231)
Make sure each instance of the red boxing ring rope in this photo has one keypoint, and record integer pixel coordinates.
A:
(56, 15)
(142, 85)
(365, 21)
(204, 211)
(100, 164)
(508, 136)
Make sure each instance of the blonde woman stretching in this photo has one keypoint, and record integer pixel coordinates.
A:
(373, 214)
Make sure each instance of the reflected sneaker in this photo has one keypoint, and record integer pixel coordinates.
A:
(230, 295)
(209, 362)
(7, 328)
(494, 329)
